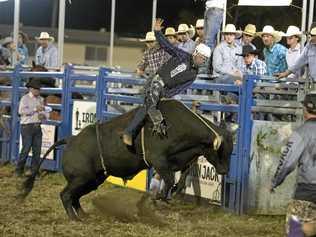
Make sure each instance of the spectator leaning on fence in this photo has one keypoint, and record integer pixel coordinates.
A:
(307, 58)
(185, 35)
(32, 113)
(226, 64)
(301, 152)
(252, 65)
(153, 57)
(293, 37)
(46, 54)
(274, 53)
(248, 35)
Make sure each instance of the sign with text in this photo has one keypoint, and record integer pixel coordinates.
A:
(83, 114)
(203, 181)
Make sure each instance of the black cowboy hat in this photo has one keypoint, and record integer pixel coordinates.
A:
(309, 102)
(35, 84)
(248, 49)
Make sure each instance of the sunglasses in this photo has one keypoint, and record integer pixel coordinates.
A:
(199, 28)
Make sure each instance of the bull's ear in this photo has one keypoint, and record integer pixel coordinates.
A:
(33, 63)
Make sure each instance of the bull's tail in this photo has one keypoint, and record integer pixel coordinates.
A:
(28, 183)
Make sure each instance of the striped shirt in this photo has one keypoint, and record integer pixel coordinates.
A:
(275, 59)
(27, 108)
(257, 67)
(152, 60)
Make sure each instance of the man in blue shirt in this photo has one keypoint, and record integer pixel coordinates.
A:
(274, 53)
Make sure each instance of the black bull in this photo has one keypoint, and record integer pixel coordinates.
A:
(189, 136)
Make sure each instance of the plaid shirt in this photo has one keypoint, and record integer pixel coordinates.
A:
(153, 59)
(257, 67)
(275, 59)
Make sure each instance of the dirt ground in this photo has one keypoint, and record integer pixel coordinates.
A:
(115, 211)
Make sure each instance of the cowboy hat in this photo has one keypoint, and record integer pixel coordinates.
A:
(293, 31)
(250, 29)
(170, 31)
(7, 40)
(35, 84)
(248, 49)
(184, 28)
(150, 36)
(45, 36)
(269, 30)
(313, 31)
(230, 28)
(199, 23)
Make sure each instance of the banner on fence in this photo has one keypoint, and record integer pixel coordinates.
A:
(48, 140)
(203, 181)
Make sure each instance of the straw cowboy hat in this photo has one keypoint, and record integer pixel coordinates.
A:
(293, 31)
(7, 40)
(45, 36)
(269, 30)
(150, 36)
(170, 31)
(199, 23)
(313, 31)
(184, 28)
(250, 29)
(230, 28)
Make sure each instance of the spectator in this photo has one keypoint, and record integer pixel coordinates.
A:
(213, 19)
(293, 38)
(32, 112)
(226, 64)
(184, 36)
(46, 54)
(22, 49)
(4, 56)
(153, 57)
(274, 53)
(199, 27)
(248, 35)
(308, 57)
(171, 35)
(252, 65)
(7, 50)
(301, 152)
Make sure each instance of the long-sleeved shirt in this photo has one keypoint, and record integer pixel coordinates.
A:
(300, 151)
(152, 60)
(225, 60)
(308, 57)
(291, 57)
(27, 109)
(275, 59)
(188, 46)
(179, 71)
(257, 67)
(46, 57)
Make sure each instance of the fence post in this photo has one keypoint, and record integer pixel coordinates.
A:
(245, 138)
(101, 89)
(15, 81)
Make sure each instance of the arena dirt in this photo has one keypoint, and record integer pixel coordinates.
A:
(115, 211)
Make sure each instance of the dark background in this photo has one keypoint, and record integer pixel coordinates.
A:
(133, 17)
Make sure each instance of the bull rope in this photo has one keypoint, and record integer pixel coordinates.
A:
(143, 146)
(99, 147)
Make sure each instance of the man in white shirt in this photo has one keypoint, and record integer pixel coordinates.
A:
(293, 37)
(32, 113)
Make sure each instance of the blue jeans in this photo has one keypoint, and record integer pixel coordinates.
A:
(31, 138)
(213, 19)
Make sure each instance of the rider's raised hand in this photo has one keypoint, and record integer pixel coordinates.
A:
(158, 24)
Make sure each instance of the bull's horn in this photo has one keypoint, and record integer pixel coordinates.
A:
(217, 142)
